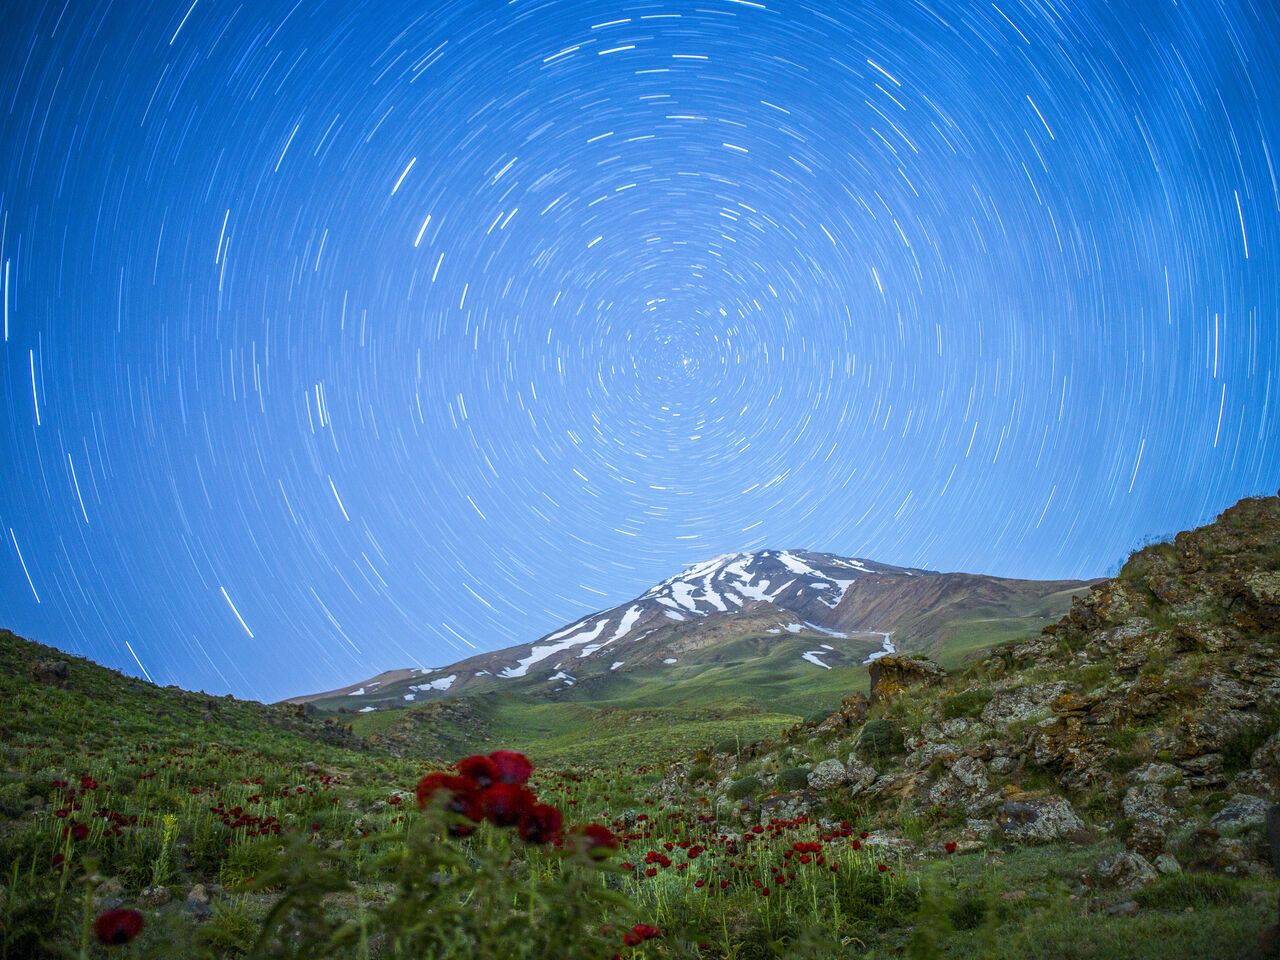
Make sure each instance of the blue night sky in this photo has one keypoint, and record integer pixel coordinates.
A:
(342, 336)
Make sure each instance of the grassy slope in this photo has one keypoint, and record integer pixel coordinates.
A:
(748, 688)
(103, 720)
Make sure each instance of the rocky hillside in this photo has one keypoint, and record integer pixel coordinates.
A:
(1148, 714)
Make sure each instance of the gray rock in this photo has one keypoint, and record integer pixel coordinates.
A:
(1038, 821)
(156, 896)
(1145, 803)
(1021, 703)
(827, 774)
(1165, 863)
(860, 775)
(1128, 908)
(1000, 765)
(1251, 781)
(1165, 774)
(964, 785)
(109, 894)
(1242, 812)
(1126, 871)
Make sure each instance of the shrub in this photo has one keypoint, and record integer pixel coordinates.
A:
(966, 704)
(793, 778)
(880, 738)
(745, 787)
(1237, 750)
(699, 771)
(817, 716)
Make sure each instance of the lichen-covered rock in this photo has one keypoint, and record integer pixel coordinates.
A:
(861, 775)
(1038, 821)
(1266, 760)
(1021, 703)
(1146, 803)
(1069, 744)
(154, 896)
(1204, 770)
(1165, 774)
(853, 710)
(1145, 838)
(963, 785)
(1241, 812)
(1126, 871)
(1165, 863)
(891, 676)
(827, 774)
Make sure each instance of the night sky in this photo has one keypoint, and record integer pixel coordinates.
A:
(342, 336)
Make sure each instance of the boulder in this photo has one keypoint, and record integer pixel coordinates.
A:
(1147, 839)
(1242, 812)
(1145, 803)
(963, 785)
(861, 775)
(1126, 871)
(893, 675)
(1040, 820)
(155, 896)
(1163, 773)
(827, 774)
(1021, 703)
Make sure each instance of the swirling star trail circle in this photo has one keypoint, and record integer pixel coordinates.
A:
(347, 336)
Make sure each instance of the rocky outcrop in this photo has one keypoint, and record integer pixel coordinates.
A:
(891, 676)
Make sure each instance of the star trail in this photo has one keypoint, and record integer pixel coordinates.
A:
(348, 336)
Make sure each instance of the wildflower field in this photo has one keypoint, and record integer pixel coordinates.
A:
(149, 822)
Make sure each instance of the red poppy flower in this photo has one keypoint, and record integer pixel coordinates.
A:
(505, 804)
(640, 933)
(117, 927)
(594, 840)
(463, 797)
(883, 867)
(511, 767)
(480, 769)
(950, 846)
(541, 823)
(79, 831)
(856, 844)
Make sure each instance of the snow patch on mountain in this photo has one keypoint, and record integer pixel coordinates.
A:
(812, 657)
(541, 651)
(439, 683)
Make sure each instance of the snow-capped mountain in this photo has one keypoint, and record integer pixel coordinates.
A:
(809, 585)
(836, 611)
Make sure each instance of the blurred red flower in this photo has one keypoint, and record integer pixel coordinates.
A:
(640, 933)
(511, 767)
(541, 823)
(594, 840)
(480, 769)
(505, 804)
(117, 927)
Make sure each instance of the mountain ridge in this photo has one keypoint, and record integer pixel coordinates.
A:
(871, 608)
